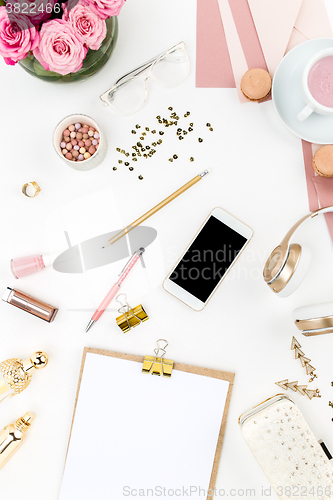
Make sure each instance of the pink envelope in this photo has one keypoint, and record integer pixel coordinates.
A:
(312, 22)
(274, 21)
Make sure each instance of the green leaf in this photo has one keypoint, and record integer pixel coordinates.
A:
(40, 71)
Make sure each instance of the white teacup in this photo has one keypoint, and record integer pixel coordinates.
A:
(312, 103)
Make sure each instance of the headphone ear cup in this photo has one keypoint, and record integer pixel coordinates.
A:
(316, 311)
(298, 275)
(314, 320)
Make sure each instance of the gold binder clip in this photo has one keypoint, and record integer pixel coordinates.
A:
(130, 317)
(158, 365)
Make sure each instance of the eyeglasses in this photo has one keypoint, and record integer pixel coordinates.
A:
(129, 93)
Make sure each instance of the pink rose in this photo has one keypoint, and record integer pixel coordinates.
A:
(89, 27)
(17, 36)
(106, 8)
(36, 10)
(59, 49)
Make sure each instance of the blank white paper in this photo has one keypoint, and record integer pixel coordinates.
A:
(135, 434)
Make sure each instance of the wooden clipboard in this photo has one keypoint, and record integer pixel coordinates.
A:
(206, 372)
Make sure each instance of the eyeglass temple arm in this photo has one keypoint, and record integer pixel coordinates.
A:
(145, 65)
(139, 69)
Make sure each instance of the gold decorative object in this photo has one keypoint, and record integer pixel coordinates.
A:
(302, 389)
(298, 353)
(305, 361)
(33, 186)
(13, 436)
(17, 373)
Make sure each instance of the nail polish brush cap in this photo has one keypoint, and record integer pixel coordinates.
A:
(23, 266)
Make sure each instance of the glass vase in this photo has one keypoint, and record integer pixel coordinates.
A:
(93, 62)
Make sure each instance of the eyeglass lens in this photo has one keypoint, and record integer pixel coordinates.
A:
(172, 68)
(169, 70)
(129, 97)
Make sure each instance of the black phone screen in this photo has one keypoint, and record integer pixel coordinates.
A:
(208, 258)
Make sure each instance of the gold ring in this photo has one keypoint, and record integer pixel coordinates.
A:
(34, 189)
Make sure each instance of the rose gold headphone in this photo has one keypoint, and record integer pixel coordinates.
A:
(284, 271)
(287, 265)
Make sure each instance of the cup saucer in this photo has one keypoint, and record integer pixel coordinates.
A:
(287, 94)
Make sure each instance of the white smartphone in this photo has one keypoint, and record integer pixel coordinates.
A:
(207, 259)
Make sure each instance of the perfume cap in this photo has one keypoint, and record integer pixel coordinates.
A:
(17, 373)
(24, 422)
(38, 360)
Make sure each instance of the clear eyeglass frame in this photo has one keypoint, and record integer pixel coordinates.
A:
(143, 73)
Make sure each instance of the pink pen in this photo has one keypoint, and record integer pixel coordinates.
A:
(114, 290)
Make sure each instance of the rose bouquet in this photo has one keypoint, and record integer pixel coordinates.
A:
(58, 36)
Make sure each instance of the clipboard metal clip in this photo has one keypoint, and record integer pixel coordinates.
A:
(130, 317)
(158, 365)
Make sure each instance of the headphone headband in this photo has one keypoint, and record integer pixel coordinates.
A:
(278, 257)
(301, 222)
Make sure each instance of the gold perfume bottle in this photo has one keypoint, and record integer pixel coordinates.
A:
(16, 373)
(13, 436)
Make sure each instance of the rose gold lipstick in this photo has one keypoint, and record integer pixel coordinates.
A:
(30, 304)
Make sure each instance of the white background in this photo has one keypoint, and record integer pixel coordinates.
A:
(257, 175)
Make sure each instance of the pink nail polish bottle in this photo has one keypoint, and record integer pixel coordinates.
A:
(24, 266)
